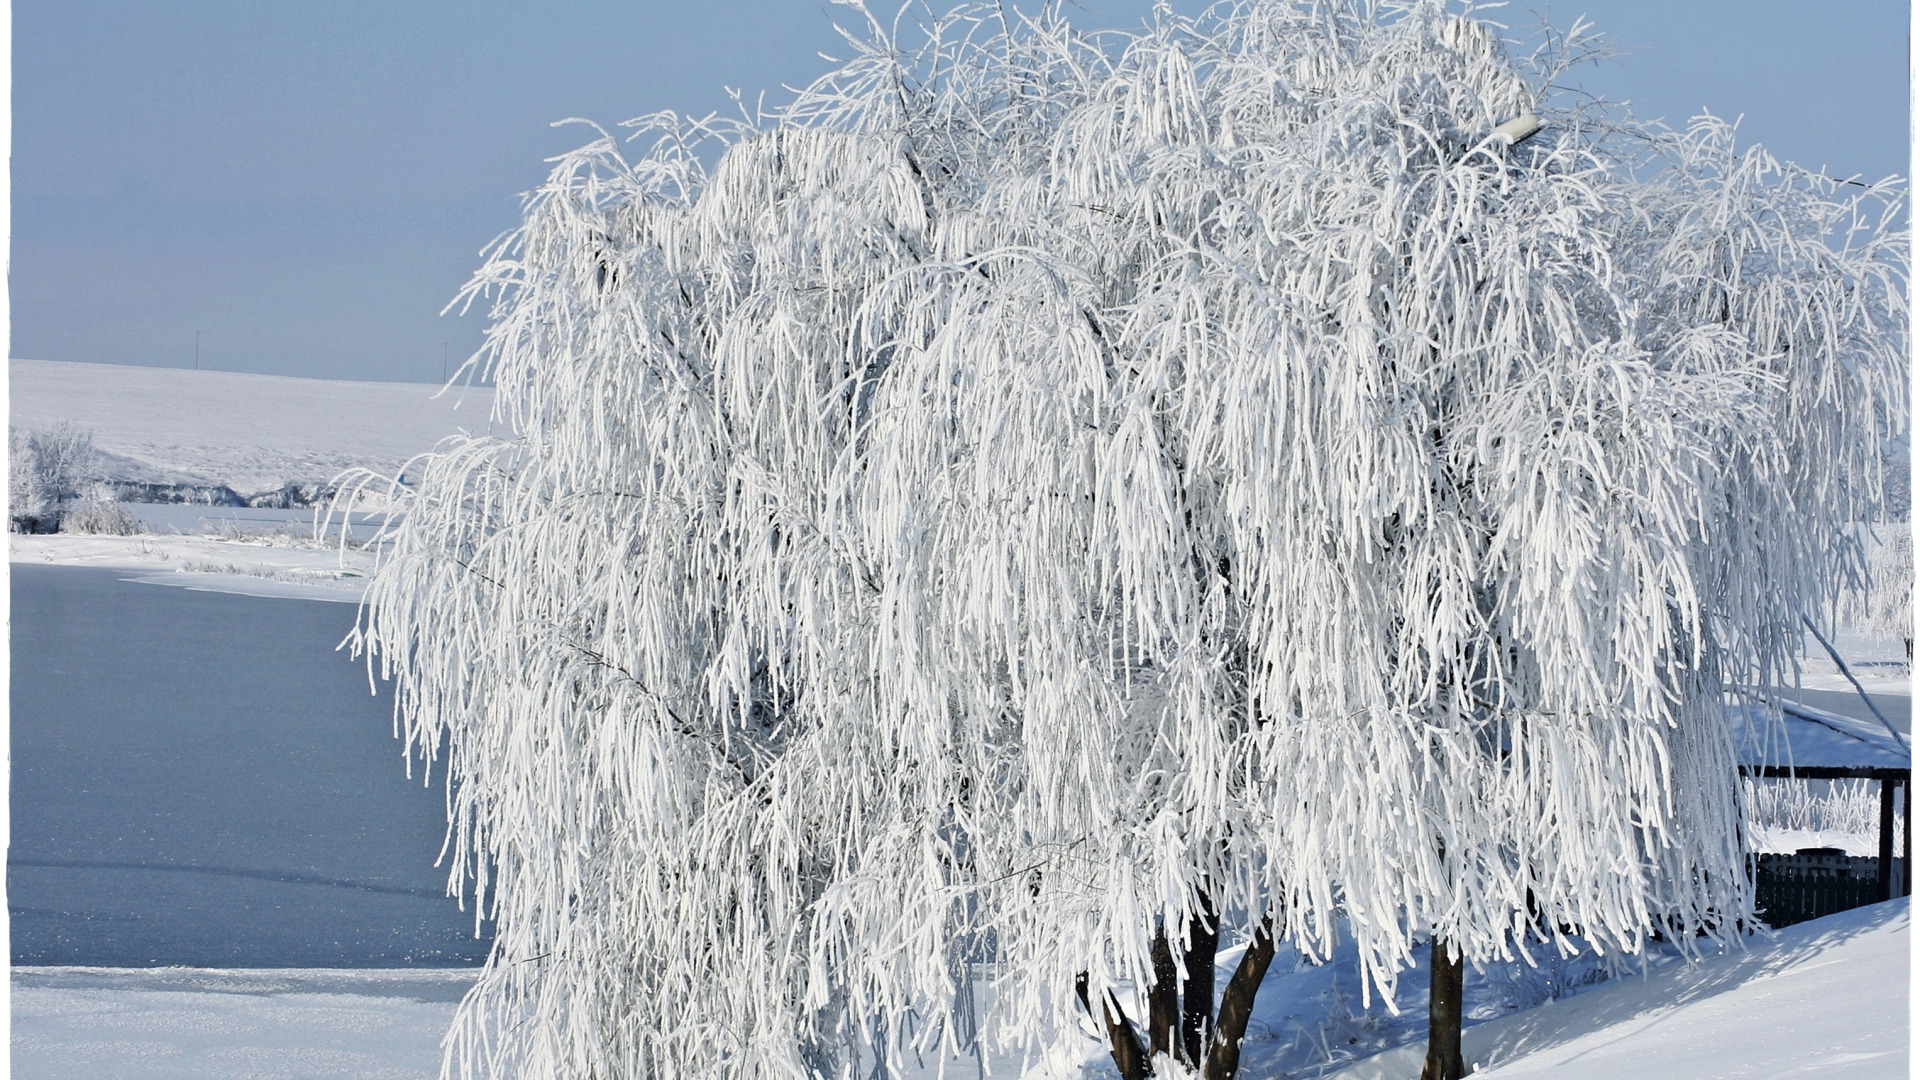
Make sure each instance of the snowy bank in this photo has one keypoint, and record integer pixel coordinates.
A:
(213, 1024)
(1822, 998)
(276, 566)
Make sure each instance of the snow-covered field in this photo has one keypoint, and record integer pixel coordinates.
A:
(1827, 998)
(250, 432)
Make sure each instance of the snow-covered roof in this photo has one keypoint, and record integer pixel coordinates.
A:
(1808, 738)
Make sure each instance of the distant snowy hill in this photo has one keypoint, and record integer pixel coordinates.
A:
(249, 432)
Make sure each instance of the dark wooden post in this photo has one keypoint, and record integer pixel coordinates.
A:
(1884, 891)
(1906, 832)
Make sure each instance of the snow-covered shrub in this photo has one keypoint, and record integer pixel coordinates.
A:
(1078, 502)
(1801, 805)
(47, 470)
(1884, 605)
(1518, 985)
(99, 513)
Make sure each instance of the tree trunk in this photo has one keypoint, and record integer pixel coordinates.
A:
(1210, 1045)
(1128, 1055)
(1448, 985)
(1163, 1002)
(1196, 1011)
(1236, 1005)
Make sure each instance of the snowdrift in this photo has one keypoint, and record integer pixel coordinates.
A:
(1823, 998)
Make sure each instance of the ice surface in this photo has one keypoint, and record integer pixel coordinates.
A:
(167, 519)
(1878, 660)
(1893, 695)
(1814, 738)
(201, 779)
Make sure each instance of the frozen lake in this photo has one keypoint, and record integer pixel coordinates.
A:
(200, 779)
(166, 518)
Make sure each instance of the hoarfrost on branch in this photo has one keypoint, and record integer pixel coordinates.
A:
(1035, 479)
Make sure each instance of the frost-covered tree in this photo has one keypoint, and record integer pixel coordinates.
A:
(1080, 502)
(1882, 605)
(46, 471)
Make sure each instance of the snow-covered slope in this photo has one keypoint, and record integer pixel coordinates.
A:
(1826, 998)
(250, 432)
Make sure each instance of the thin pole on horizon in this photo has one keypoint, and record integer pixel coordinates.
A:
(196, 350)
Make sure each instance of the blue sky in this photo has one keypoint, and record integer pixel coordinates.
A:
(306, 185)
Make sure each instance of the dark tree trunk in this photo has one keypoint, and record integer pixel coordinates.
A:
(1208, 1043)
(1128, 1055)
(1127, 1052)
(1236, 1005)
(1444, 1061)
(1196, 1011)
(1163, 1002)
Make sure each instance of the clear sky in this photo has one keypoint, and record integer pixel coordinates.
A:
(307, 184)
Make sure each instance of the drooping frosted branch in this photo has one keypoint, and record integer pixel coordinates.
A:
(1035, 477)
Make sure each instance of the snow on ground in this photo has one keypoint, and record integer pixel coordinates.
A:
(1766, 838)
(1827, 998)
(251, 432)
(286, 565)
(1823, 998)
(207, 1024)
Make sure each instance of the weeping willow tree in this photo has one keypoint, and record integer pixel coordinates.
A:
(1082, 502)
